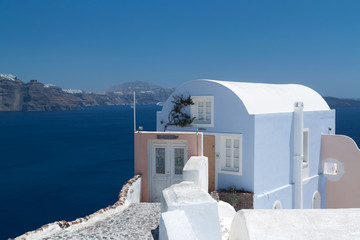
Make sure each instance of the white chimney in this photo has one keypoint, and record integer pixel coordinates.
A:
(298, 155)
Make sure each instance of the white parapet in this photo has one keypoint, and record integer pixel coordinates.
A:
(200, 209)
(226, 215)
(321, 224)
(196, 171)
(134, 192)
(175, 225)
(226, 210)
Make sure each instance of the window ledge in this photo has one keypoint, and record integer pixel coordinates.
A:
(233, 171)
(202, 122)
(194, 124)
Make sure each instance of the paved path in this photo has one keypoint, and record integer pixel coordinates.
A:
(138, 221)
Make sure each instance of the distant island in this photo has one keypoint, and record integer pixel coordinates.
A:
(15, 95)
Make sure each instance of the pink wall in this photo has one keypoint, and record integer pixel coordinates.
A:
(342, 190)
(141, 153)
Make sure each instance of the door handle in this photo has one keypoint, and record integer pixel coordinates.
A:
(168, 173)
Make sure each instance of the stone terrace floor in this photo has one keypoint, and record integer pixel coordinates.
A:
(138, 221)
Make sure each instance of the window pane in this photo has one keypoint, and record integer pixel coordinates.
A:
(160, 160)
(228, 143)
(228, 152)
(228, 162)
(208, 109)
(236, 143)
(236, 153)
(179, 160)
(236, 162)
(200, 117)
(208, 117)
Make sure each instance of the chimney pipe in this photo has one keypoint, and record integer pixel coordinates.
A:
(298, 155)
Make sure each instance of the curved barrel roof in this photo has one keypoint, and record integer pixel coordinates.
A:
(260, 98)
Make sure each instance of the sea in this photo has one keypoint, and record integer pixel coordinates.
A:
(68, 164)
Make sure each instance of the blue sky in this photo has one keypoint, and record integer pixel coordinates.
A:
(93, 45)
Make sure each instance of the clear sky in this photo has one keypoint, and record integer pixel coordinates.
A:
(93, 45)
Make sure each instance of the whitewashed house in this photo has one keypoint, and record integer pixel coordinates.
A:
(262, 138)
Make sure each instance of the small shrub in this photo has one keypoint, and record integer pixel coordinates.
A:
(238, 198)
(177, 117)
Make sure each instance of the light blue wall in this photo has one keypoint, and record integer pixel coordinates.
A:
(318, 124)
(273, 144)
(266, 200)
(274, 154)
(309, 189)
(230, 117)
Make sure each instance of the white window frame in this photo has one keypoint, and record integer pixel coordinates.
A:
(232, 169)
(194, 110)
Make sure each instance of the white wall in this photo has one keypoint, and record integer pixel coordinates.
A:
(134, 192)
(196, 170)
(174, 225)
(296, 224)
(200, 209)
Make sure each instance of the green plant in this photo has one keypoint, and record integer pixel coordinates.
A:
(232, 189)
(177, 116)
(233, 199)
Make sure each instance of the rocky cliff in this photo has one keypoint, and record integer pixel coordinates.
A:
(146, 93)
(16, 95)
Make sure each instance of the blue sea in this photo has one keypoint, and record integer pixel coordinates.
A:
(65, 165)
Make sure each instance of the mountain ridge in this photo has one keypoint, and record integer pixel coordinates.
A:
(135, 86)
(16, 95)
